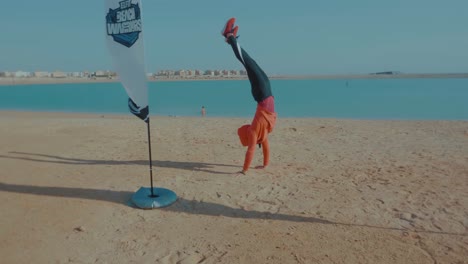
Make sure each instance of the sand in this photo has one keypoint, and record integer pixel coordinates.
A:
(337, 191)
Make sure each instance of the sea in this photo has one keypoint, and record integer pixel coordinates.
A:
(389, 99)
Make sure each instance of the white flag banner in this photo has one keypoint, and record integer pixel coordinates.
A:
(124, 34)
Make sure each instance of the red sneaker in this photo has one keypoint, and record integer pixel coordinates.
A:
(233, 33)
(228, 28)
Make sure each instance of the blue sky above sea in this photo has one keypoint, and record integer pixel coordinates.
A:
(284, 37)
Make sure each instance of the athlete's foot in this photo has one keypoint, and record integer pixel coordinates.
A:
(232, 34)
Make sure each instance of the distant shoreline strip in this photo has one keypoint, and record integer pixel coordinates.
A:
(4, 81)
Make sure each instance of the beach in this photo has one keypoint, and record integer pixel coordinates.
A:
(336, 191)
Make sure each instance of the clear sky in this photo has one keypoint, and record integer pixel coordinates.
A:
(284, 37)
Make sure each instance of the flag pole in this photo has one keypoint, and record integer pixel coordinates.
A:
(150, 159)
(127, 50)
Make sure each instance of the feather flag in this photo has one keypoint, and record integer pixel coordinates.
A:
(124, 34)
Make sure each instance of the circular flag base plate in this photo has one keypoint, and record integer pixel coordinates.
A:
(163, 197)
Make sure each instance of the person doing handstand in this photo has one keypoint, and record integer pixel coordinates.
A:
(265, 115)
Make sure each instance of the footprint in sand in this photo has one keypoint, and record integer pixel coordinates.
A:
(408, 216)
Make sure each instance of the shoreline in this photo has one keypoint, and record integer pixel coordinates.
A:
(126, 116)
(118, 115)
(11, 81)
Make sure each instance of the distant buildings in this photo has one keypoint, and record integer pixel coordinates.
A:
(161, 74)
(101, 74)
(76, 74)
(6, 74)
(209, 73)
(199, 74)
(16, 74)
(41, 74)
(58, 74)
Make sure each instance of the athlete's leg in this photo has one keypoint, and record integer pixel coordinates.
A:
(258, 79)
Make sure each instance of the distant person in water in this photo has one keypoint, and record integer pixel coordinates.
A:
(265, 116)
(203, 111)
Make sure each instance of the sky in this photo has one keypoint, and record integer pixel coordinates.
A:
(284, 37)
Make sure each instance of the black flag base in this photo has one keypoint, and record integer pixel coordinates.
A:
(159, 197)
(150, 198)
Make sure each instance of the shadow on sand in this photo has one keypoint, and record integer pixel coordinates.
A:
(187, 206)
(191, 166)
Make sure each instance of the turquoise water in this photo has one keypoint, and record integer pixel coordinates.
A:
(436, 99)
